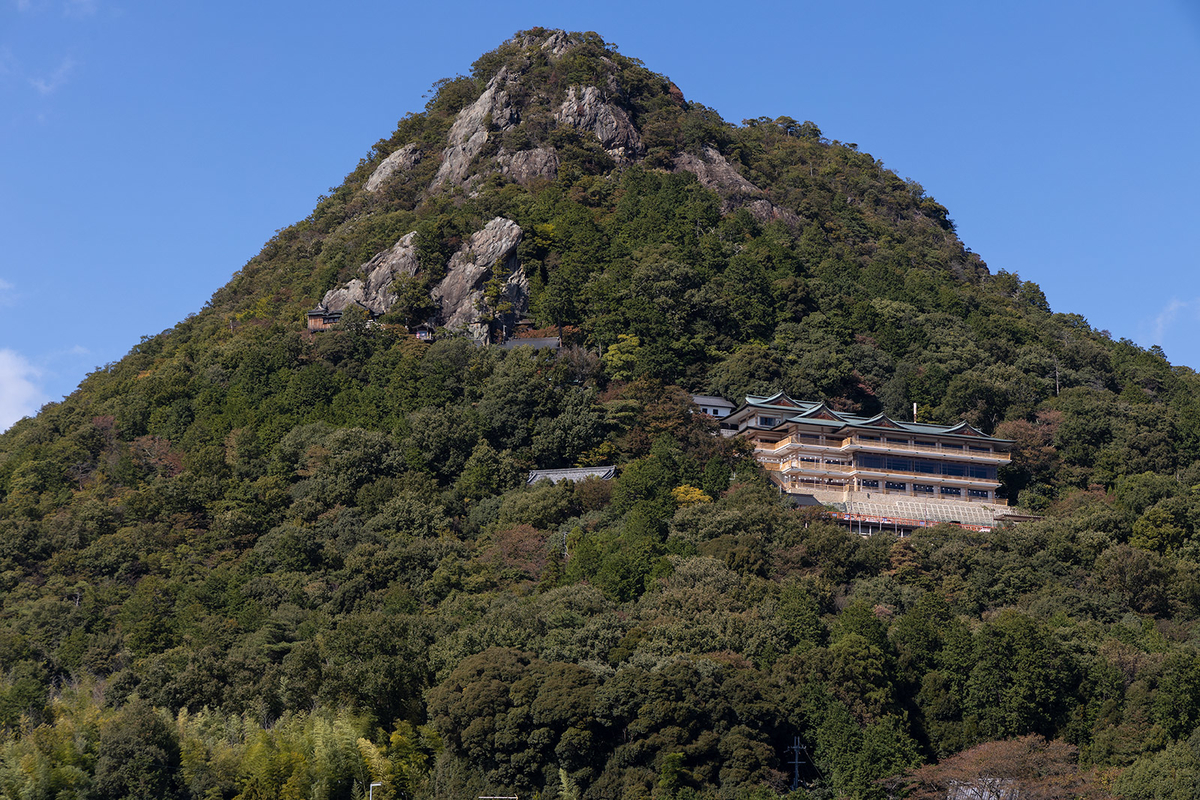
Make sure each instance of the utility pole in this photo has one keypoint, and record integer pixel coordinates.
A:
(796, 761)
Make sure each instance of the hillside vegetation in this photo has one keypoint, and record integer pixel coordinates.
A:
(251, 562)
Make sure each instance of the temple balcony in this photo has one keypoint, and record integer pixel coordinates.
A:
(856, 443)
(853, 443)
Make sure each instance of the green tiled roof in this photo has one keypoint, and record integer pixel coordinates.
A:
(817, 412)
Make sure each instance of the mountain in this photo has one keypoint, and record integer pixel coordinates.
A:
(254, 560)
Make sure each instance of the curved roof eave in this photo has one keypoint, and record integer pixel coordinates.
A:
(820, 408)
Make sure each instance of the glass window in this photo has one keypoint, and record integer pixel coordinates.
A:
(894, 486)
(953, 491)
(922, 488)
(869, 484)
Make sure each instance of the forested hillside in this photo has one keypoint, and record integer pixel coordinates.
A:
(250, 561)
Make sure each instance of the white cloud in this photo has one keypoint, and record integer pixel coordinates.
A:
(20, 394)
(54, 80)
(1167, 317)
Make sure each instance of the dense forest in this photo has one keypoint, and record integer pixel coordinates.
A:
(249, 562)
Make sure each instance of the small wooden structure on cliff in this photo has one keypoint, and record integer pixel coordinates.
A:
(322, 319)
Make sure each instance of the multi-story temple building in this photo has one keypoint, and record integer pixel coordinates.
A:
(874, 464)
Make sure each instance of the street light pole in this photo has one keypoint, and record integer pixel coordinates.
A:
(371, 791)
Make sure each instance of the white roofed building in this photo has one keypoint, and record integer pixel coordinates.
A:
(717, 407)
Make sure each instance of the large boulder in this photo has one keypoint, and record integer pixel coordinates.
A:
(585, 109)
(524, 166)
(459, 292)
(469, 270)
(403, 159)
(715, 172)
(374, 290)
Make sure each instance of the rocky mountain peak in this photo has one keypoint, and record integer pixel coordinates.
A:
(539, 83)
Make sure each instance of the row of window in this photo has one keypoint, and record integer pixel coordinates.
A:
(923, 488)
(921, 443)
(770, 422)
(924, 466)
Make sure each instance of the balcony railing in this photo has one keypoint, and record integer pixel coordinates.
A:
(964, 452)
(830, 445)
(787, 466)
(858, 442)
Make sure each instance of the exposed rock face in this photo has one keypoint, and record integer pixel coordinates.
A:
(469, 132)
(470, 269)
(766, 211)
(586, 110)
(375, 291)
(717, 174)
(459, 292)
(557, 44)
(525, 165)
(403, 159)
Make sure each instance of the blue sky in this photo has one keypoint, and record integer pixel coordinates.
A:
(149, 149)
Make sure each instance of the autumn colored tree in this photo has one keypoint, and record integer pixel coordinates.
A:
(1029, 766)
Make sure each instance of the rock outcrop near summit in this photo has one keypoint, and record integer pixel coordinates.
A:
(586, 110)
(470, 130)
(526, 165)
(403, 159)
(500, 108)
(715, 172)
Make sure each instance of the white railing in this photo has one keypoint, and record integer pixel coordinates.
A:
(963, 452)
